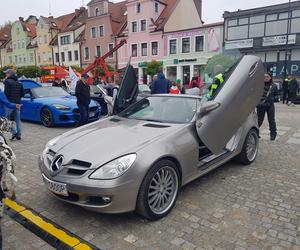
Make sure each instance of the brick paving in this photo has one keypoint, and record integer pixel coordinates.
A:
(233, 207)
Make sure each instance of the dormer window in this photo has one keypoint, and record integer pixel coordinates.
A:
(138, 8)
(97, 12)
(156, 7)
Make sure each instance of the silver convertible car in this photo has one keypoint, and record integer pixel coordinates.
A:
(138, 159)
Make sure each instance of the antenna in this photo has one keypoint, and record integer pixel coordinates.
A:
(49, 8)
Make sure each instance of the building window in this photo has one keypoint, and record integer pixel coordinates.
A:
(272, 17)
(16, 59)
(76, 55)
(296, 13)
(101, 30)
(94, 32)
(243, 21)
(97, 12)
(257, 19)
(63, 56)
(276, 28)
(134, 26)
(186, 45)
(144, 48)
(134, 50)
(110, 48)
(23, 44)
(49, 56)
(256, 30)
(86, 53)
(70, 56)
(138, 8)
(283, 15)
(45, 39)
(98, 51)
(39, 58)
(143, 25)
(65, 40)
(154, 48)
(156, 7)
(232, 22)
(238, 32)
(199, 43)
(173, 47)
(57, 57)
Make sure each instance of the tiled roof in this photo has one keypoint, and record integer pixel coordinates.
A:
(30, 28)
(5, 33)
(166, 13)
(117, 11)
(80, 37)
(79, 20)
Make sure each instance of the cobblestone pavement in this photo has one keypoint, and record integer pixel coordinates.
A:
(233, 207)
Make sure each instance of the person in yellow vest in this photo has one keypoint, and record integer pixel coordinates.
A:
(218, 81)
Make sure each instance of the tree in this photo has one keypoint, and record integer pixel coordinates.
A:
(152, 68)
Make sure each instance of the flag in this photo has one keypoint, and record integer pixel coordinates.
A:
(73, 78)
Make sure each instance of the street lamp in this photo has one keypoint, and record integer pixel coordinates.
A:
(287, 39)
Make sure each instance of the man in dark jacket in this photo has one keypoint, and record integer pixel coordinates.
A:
(14, 91)
(161, 85)
(294, 89)
(82, 92)
(266, 105)
(285, 90)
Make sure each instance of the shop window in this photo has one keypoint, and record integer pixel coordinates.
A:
(256, 30)
(276, 28)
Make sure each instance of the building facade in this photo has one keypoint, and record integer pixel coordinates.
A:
(272, 33)
(5, 46)
(24, 43)
(67, 44)
(102, 25)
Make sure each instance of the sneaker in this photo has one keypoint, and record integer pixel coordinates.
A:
(13, 137)
(18, 138)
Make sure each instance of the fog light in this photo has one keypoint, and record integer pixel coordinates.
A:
(106, 199)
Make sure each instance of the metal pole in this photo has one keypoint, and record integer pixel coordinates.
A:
(287, 40)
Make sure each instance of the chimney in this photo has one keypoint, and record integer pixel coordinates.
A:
(21, 19)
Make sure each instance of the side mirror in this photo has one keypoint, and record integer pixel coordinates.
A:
(207, 107)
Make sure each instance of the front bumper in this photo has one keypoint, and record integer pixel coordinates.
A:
(92, 194)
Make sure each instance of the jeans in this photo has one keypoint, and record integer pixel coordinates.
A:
(285, 97)
(16, 115)
(84, 115)
(270, 110)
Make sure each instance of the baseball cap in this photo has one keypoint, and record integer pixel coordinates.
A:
(9, 71)
(178, 81)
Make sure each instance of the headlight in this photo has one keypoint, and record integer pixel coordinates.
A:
(61, 107)
(51, 143)
(115, 168)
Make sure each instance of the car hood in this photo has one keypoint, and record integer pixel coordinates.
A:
(70, 101)
(108, 139)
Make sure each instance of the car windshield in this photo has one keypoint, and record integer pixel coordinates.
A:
(167, 109)
(48, 92)
(143, 88)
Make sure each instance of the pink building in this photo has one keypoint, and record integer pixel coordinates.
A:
(104, 20)
(144, 33)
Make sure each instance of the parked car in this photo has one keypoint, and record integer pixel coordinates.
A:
(141, 157)
(52, 105)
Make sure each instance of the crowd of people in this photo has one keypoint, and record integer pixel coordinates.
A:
(290, 88)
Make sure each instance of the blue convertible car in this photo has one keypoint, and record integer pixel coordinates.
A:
(52, 105)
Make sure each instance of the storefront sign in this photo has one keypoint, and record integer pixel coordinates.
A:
(292, 68)
(177, 61)
(187, 34)
(239, 44)
(278, 40)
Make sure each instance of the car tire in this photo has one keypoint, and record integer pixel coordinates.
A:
(250, 148)
(159, 190)
(47, 118)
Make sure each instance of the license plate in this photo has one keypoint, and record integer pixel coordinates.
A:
(92, 114)
(56, 187)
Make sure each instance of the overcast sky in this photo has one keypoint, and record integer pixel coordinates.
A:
(212, 9)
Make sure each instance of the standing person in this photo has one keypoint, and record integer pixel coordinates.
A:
(266, 105)
(196, 79)
(293, 90)
(174, 89)
(14, 91)
(55, 83)
(161, 85)
(285, 89)
(82, 92)
(180, 86)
